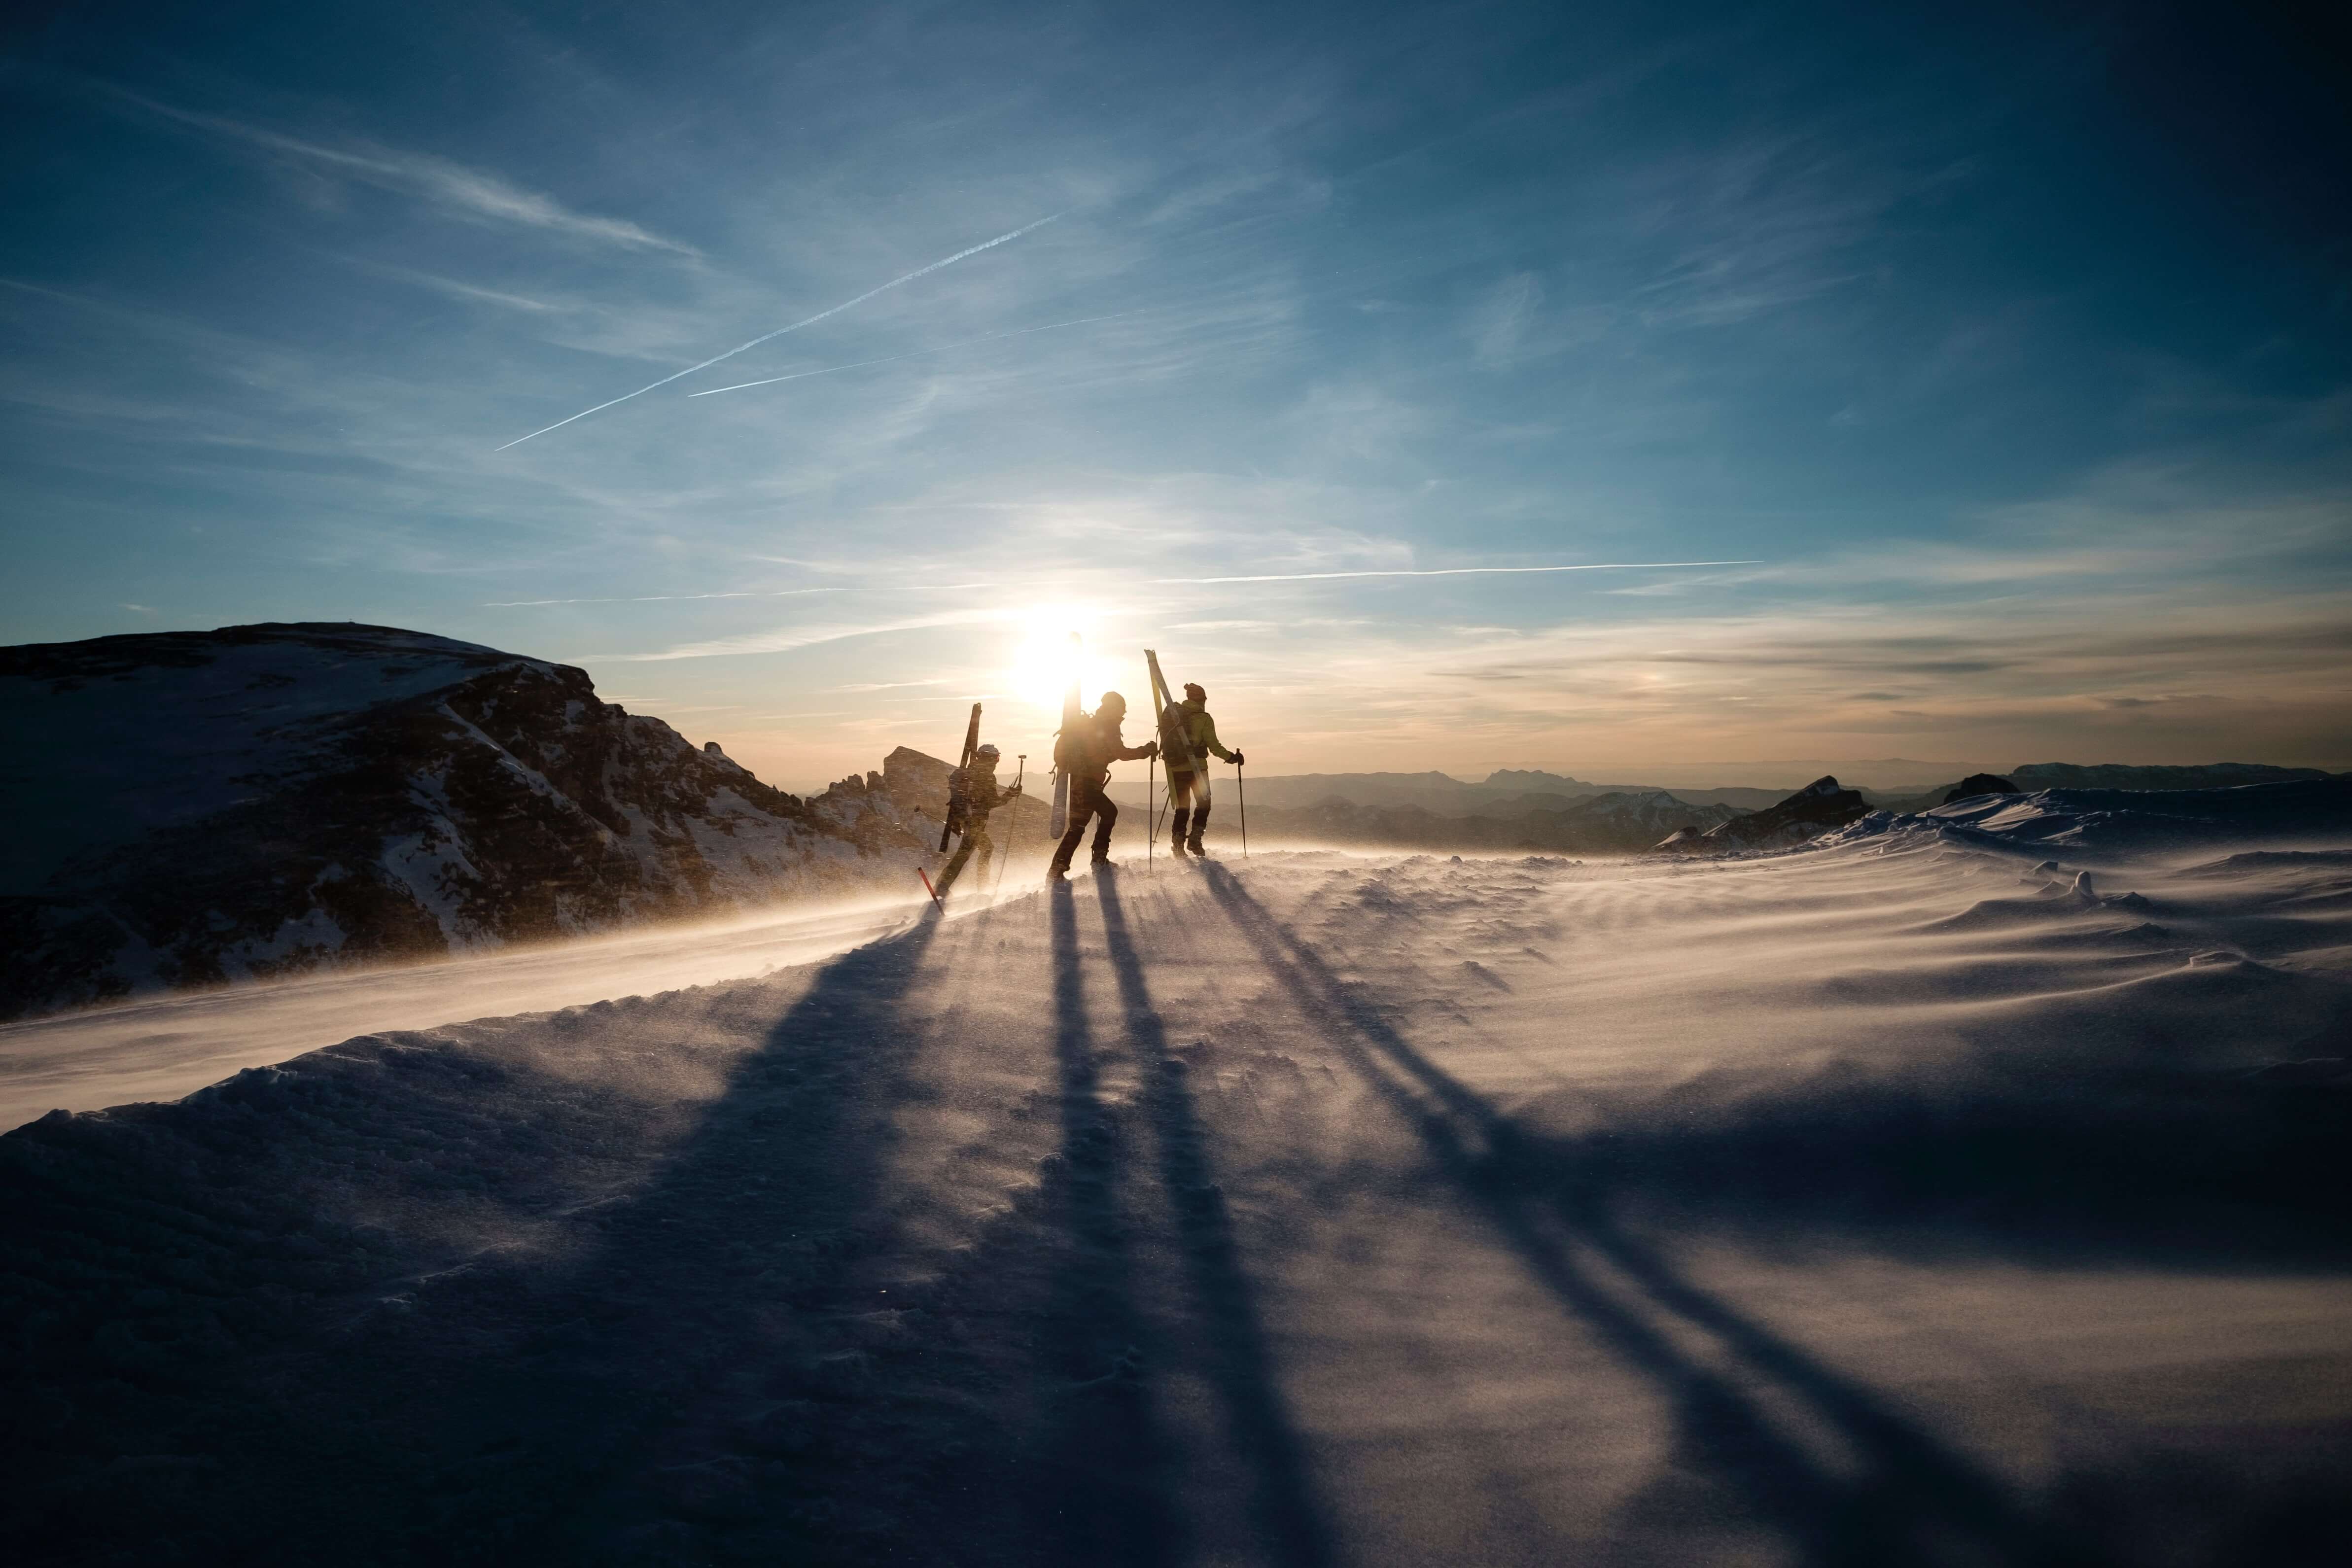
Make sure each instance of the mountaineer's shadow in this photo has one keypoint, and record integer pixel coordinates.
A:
(720, 1308)
(1913, 1493)
(1283, 1505)
(1103, 1496)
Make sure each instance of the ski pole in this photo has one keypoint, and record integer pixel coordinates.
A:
(1241, 788)
(1012, 833)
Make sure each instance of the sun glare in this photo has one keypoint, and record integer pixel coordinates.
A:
(1044, 660)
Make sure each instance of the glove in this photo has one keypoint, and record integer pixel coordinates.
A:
(1153, 749)
(1238, 760)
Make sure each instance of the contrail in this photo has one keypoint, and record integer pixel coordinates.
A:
(1458, 571)
(913, 353)
(809, 321)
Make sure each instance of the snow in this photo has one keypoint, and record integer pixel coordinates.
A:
(1316, 1210)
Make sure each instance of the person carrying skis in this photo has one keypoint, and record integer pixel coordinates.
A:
(1086, 754)
(973, 794)
(1188, 782)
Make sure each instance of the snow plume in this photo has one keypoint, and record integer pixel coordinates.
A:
(1461, 572)
(804, 321)
(914, 353)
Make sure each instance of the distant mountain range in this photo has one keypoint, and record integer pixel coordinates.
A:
(1616, 821)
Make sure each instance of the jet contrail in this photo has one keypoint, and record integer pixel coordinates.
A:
(809, 321)
(1458, 571)
(912, 353)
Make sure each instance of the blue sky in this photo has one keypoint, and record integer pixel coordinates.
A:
(2009, 354)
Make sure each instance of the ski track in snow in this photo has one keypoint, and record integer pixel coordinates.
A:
(1895, 1202)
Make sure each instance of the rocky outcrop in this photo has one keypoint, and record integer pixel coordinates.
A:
(1976, 784)
(1817, 807)
(192, 808)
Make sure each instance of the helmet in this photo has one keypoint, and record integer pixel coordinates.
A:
(1193, 690)
(986, 754)
(1112, 700)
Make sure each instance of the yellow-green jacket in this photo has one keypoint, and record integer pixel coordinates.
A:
(1200, 735)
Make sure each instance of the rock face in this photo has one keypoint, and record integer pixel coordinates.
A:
(192, 808)
(1976, 784)
(1816, 809)
(904, 805)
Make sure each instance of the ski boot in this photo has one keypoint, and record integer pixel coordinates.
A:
(1176, 834)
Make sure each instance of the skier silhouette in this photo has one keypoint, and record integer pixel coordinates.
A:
(1085, 753)
(1188, 779)
(973, 793)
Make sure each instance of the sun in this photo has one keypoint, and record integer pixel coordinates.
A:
(1044, 659)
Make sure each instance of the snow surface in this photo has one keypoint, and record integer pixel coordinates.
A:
(162, 1046)
(1903, 1200)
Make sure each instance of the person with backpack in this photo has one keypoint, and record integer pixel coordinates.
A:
(973, 794)
(1085, 752)
(1192, 740)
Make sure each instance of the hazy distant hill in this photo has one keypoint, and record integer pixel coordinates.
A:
(1614, 822)
(1507, 792)
(2035, 776)
(189, 808)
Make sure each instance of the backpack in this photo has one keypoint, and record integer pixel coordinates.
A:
(959, 795)
(1077, 745)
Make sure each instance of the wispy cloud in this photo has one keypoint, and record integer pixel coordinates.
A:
(1458, 571)
(474, 194)
(789, 638)
(662, 598)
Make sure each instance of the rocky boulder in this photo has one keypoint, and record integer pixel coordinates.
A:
(1976, 784)
(1816, 809)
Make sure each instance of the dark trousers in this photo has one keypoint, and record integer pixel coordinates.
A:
(975, 837)
(1187, 793)
(1086, 801)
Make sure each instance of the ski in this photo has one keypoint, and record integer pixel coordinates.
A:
(970, 744)
(1059, 822)
(1173, 738)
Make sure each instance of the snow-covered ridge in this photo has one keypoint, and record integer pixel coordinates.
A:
(201, 807)
(2129, 820)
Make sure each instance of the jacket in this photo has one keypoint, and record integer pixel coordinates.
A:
(1100, 745)
(1198, 730)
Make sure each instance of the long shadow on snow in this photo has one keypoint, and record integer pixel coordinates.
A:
(714, 1396)
(1283, 1505)
(522, 1411)
(1913, 1494)
(1104, 1495)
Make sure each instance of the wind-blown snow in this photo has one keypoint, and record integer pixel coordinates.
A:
(1906, 1199)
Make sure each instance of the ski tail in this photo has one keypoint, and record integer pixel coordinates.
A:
(928, 887)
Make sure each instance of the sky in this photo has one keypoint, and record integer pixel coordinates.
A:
(1588, 387)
